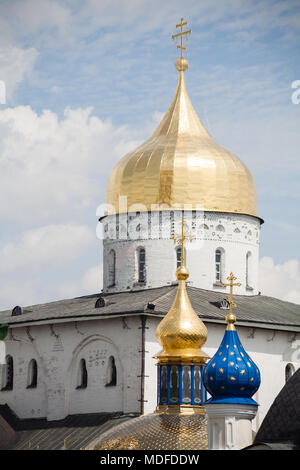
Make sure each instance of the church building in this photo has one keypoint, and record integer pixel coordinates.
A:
(95, 354)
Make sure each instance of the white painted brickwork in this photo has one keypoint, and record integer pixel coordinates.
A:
(235, 235)
(58, 349)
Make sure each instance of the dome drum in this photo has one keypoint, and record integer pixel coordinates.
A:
(180, 385)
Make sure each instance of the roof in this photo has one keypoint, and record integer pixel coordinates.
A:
(181, 164)
(256, 311)
(281, 425)
(75, 431)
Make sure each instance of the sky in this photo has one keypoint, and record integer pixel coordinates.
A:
(87, 81)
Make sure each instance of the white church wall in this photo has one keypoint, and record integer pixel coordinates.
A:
(236, 235)
(270, 350)
(26, 402)
(58, 349)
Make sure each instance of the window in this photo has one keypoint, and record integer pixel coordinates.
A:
(178, 256)
(111, 373)
(218, 265)
(8, 374)
(141, 265)
(111, 268)
(289, 371)
(248, 269)
(82, 376)
(32, 374)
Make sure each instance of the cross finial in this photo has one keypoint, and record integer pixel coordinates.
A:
(180, 240)
(181, 34)
(231, 318)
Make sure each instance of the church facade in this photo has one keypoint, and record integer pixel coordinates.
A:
(95, 354)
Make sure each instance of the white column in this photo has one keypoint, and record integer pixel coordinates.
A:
(229, 425)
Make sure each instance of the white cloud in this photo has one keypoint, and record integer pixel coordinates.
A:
(56, 168)
(91, 282)
(280, 280)
(37, 15)
(49, 245)
(34, 289)
(15, 65)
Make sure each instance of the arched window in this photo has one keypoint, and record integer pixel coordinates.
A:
(111, 372)
(249, 269)
(219, 260)
(111, 268)
(289, 371)
(178, 256)
(32, 374)
(141, 258)
(220, 228)
(82, 376)
(8, 379)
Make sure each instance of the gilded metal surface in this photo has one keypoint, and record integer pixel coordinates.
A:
(181, 64)
(231, 318)
(156, 432)
(181, 333)
(180, 409)
(181, 164)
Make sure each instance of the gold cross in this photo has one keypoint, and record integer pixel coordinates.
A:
(181, 34)
(231, 318)
(181, 239)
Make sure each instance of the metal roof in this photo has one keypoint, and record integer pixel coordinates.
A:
(73, 432)
(258, 310)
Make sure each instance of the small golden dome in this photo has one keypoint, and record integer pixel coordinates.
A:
(181, 164)
(182, 273)
(181, 333)
(181, 64)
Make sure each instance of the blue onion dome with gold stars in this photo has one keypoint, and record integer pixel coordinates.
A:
(231, 376)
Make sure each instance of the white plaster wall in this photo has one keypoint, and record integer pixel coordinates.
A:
(270, 350)
(154, 235)
(57, 349)
(25, 402)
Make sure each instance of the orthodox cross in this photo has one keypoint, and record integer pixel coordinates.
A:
(181, 239)
(181, 34)
(231, 318)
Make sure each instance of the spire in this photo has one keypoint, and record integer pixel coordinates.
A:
(181, 64)
(231, 318)
(181, 333)
(181, 117)
(181, 164)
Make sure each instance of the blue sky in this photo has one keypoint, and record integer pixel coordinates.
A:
(88, 80)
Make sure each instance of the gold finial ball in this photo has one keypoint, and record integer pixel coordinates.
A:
(181, 64)
(182, 273)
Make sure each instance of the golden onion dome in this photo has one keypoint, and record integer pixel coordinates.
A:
(181, 333)
(181, 164)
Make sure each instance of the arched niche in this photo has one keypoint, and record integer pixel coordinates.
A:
(88, 390)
